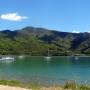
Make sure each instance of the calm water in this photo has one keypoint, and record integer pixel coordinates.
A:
(53, 71)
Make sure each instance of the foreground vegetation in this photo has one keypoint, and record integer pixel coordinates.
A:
(37, 42)
(70, 85)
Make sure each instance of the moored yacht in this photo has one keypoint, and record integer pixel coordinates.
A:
(48, 57)
(6, 58)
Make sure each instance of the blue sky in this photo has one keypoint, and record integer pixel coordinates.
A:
(63, 15)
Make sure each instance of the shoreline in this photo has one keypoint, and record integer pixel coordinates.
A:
(16, 85)
(7, 87)
(45, 56)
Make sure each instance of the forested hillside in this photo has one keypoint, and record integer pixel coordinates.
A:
(38, 41)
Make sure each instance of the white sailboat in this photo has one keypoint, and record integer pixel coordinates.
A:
(76, 58)
(48, 57)
(7, 59)
(21, 57)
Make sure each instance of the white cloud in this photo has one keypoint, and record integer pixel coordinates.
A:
(12, 17)
(75, 31)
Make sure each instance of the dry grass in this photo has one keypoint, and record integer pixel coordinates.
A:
(70, 85)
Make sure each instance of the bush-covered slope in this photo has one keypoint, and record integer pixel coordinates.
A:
(37, 41)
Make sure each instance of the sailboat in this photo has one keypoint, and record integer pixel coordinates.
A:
(48, 57)
(7, 58)
(21, 57)
(76, 58)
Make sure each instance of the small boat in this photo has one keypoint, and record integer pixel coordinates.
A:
(48, 57)
(21, 57)
(76, 58)
(6, 58)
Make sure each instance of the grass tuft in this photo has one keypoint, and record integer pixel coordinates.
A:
(70, 85)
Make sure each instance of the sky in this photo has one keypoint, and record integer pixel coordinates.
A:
(62, 15)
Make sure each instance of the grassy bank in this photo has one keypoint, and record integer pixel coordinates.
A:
(70, 85)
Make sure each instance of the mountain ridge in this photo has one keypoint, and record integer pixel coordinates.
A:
(37, 41)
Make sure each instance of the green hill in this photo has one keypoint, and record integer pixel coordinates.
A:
(37, 42)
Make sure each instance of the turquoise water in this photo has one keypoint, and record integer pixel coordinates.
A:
(40, 70)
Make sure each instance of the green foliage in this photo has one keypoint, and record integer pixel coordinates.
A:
(84, 87)
(70, 85)
(10, 82)
(37, 41)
